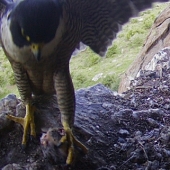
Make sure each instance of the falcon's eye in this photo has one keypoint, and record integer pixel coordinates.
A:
(25, 36)
(34, 46)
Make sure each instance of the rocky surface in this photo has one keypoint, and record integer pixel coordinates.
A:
(157, 39)
(130, 131)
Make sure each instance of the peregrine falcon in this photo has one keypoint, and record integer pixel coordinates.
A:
(39, 37)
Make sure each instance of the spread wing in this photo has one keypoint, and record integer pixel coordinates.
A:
(101, 20)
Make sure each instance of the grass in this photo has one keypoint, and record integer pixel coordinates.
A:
(87, 68)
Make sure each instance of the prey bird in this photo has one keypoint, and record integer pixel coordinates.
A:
(39, 37)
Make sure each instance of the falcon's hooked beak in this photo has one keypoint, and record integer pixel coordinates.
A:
(36, 50)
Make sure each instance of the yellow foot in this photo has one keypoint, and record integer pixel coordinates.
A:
(27, 122)
(72, 142)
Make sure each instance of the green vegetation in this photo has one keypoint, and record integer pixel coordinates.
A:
(88, 68)
(6, 77)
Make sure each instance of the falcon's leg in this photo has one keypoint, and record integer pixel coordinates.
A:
(25, 91)
(27, 122)
(72, 142)
(66, 102)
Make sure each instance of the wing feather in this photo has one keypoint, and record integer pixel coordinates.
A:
(101, 20)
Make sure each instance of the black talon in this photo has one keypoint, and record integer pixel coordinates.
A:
(68, 167)
(33, 139)
(23, 146)
(65, 167)
(7, 114)
(60, 144)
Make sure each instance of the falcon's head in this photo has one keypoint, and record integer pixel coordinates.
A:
(33, 23)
